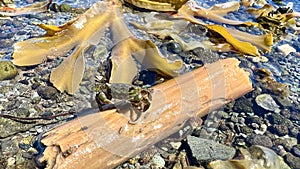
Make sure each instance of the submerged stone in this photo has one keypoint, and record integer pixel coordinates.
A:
(266, 102)
(7, 70)
(203, 149)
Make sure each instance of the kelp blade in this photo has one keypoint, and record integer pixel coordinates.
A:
(243, 47)
(145, 53)
(37, 50)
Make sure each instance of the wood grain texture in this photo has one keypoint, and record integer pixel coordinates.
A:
(105, 139)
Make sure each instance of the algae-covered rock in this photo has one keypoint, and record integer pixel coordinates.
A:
(7, 70)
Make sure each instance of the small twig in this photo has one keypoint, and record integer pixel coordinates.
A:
(34, 119)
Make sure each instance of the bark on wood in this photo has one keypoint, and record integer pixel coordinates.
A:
(106, 139)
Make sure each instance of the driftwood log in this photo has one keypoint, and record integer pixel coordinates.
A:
(106, 139)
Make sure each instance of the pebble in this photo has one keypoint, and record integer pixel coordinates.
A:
(203, 149)
(293, 131)
(260, 140)
(243, 105)
(7, 70)
(11, 161)
(253, 119)
(280, 130)
(286, 49)
(47, 92)
(295, 116)
(275, 118)
(158, 161)
(65, 7)
(175, 145)
(292, 161)
(266, 102)
(296, 150)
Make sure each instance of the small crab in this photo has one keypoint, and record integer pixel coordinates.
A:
(125, 98)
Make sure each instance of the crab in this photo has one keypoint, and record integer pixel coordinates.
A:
(128, 99)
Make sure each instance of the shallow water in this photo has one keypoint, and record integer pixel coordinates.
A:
(19, 96)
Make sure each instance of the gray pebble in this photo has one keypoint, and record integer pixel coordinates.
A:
(203, 149)
(243, 105)
(280, 130)
(295, 116)
(275, 118)
(293, 131)
(296, 150)
(47, 92)
(292, 161)
(260, 140)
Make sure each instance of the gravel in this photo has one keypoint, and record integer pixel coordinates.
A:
(261, 117)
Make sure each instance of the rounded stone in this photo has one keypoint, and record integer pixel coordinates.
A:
(295, 116)
(292, 161)
(280, 130)
(260, 140)
(65, 8)
(293, 131)
(276, 118)
(243, 105)
(46, 92)
(296, 150)
(7, 70)
(158, 161)
(11, 161)
(266, 102)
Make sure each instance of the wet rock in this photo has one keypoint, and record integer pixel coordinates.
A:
(253, 119)
(22, 112)
(258, 157)
(65, 7)
(173, 47)
(203, 149)
(292, 161)
(47, 92)
(295, 116)
(296, 150)
(280, 130)
(158, 161)
(3, 162)
(13, 104)
(243, 105)
(11, 161)
(246, 130)
(286, 49)
(7, 70)
(286, 142)
(260, 140)
(175, 145)
(266, 102)
(293, 131)
(24, 81)
(286, 113)
(35, 98)
(275, 118)
(283, 101)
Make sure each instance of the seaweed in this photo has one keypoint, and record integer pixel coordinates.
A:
(30, 9)
(78, 35)
(130, 50)
(189, 10)
(243, 47)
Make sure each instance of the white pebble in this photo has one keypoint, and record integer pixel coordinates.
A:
(11, 161)
(158, 161)
(286, 49)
